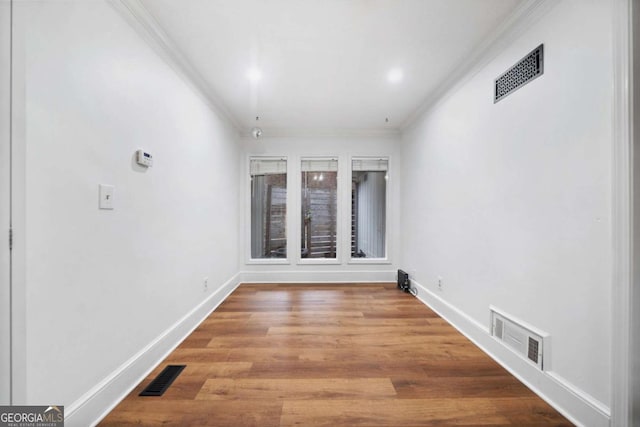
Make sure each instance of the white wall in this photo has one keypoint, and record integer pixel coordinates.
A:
(101, 285)
(343, 269)
(511, 203)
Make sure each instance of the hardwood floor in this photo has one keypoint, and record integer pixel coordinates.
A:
(332, 355)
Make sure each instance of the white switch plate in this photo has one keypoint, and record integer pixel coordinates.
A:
(106, 196)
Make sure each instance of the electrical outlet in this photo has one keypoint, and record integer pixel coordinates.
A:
(205, 284)
(439, 283)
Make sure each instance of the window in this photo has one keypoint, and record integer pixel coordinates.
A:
(368, 207)
(319, 208)
(268, 208)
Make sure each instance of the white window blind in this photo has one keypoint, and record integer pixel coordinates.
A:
(369, 165)
(319, 165)
(268, 166)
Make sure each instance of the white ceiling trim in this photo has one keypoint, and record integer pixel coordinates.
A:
(322, 132)
(143, 22)
(517, 23)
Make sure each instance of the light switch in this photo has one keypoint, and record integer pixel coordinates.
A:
(106, 196)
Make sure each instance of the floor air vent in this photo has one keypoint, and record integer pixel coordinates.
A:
(528, 69)
(161, 383)
(519, 337)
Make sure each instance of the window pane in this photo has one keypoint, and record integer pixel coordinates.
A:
(268, 208)
(368, 208)
(319, 208)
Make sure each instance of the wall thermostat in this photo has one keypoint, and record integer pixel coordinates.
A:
(144, 159)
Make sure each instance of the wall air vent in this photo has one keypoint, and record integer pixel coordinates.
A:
(518, 336)
(528, 69)
(498, 328)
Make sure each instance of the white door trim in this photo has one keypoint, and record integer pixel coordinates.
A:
(5, 202)
(622, 211)
(18, 210)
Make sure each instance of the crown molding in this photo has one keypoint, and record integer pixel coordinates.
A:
(285, 132)
(145, 24)
(517, 23)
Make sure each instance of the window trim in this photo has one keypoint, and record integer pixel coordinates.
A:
(249, 260)
(298, 224)
(294, 206)
(385, 259)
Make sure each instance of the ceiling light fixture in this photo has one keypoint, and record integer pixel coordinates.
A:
(256, 132)
(254, 75)
(395, 75)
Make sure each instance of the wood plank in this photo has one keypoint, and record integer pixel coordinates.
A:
(527, 411)
(288, 318)
(195, 413)
(392, 412)
(459, 387)
(361, 330)
(295, 320)
(296, 389)
(474, 367)
(269, 354)
(421, 354)
(349, 369)
(183, 355)
(273, 341)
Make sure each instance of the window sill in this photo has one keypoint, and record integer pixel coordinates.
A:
(267, 261)
(380, 261)
(318, 261)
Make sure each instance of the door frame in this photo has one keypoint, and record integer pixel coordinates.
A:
(13, 335)
(634, 291)
(625, 390)
(6, 9)
(6, 12)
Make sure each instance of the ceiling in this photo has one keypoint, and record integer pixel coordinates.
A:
(325, 64)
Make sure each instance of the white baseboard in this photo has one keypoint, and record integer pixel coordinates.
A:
(354, 276)
(577, 406)
(101, 399)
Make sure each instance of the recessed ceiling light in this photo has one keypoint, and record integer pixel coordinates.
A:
(254, 75)
(395, 75)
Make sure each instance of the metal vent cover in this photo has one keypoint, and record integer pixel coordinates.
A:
(533, 350)
(527, 69)
(161, 383)
(520, 337)
(499, 326)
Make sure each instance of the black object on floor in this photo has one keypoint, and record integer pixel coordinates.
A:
(403, 281)
(161, 383)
